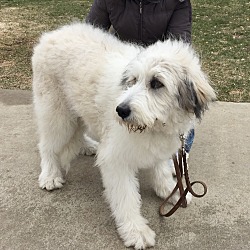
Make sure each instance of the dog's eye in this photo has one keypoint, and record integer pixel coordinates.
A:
(155, 84)
(131, 82)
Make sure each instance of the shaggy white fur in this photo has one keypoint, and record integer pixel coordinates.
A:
(134, 101)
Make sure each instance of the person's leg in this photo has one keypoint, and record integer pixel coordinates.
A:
(189, 140)
(188, 144)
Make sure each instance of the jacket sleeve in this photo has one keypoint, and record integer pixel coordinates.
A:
(99, 15)
(180, 25)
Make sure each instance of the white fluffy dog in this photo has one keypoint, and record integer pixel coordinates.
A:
(134, 101)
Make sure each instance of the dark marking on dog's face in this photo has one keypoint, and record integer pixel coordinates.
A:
(124, 80)
(128, 81)
(188, 100)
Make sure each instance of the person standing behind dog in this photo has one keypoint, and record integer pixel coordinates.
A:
(145, 22)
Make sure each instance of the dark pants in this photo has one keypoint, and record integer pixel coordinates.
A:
(189, 140)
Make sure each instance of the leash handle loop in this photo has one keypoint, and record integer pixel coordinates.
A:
(182, 202)
(190, 184)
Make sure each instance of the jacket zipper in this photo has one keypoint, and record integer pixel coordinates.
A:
(140, 6)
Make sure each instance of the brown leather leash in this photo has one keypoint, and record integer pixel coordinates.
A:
(181, 168)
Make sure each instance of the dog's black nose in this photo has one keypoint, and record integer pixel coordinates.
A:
(123, 110)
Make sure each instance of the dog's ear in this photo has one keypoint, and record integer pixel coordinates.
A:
(187, 98)
(195, 93)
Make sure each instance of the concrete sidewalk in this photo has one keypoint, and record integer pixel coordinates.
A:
(76, 217)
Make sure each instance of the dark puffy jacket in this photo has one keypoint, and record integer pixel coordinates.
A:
(144, 21)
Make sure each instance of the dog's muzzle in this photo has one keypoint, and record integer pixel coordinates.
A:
(123, 110)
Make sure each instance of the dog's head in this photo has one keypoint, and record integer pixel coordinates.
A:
(165, 83)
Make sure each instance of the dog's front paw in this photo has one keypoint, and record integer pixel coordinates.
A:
(189, 197)
(164, 193)
(174, 199)
(137, 237)
(49, 183)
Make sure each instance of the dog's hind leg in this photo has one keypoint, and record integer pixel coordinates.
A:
(56, 127)
(73, 147)
(89, 146)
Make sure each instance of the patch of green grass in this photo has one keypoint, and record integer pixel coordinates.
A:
(220, 35)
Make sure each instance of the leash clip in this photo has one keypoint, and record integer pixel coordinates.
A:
(182, 139)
